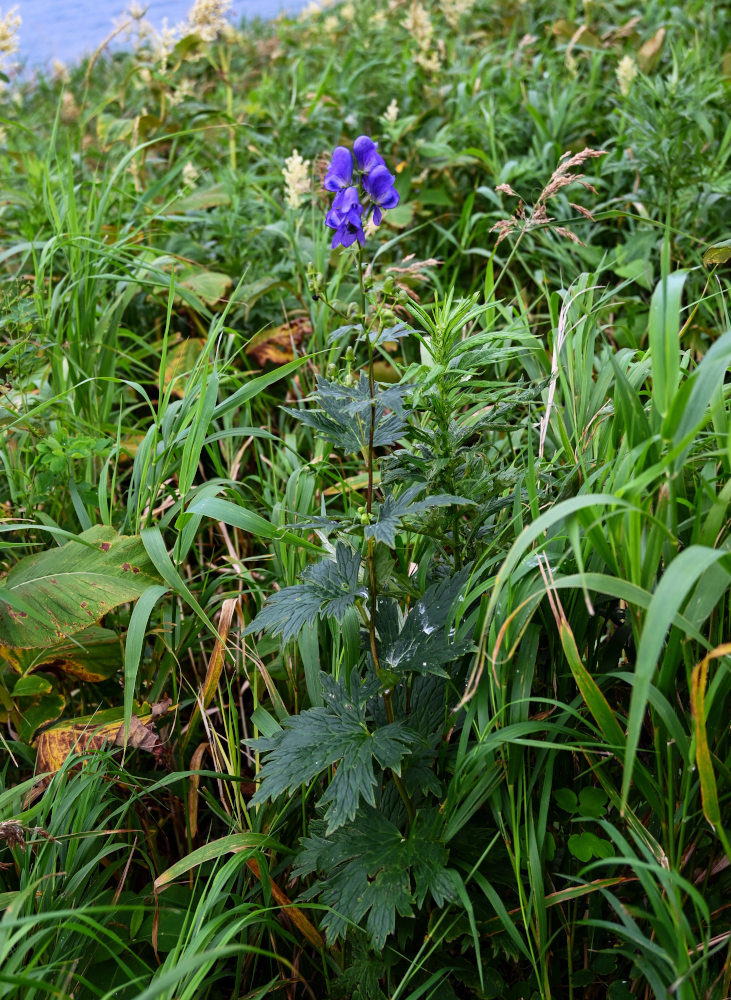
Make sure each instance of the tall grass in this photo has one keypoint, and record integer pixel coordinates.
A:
(560, 328)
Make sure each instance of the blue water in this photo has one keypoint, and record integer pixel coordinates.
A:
(67, 29)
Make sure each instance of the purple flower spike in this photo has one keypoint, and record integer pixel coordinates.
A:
(340, 173)
(366, 154)
(379, 186)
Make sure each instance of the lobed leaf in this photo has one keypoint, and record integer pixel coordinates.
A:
(394, 509)
(370, 868)
(320, 737)
(329, 589)
(424, 644)
(344, 417)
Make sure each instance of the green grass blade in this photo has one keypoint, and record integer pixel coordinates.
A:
(134, 645)
(673, 589)
(664, 341)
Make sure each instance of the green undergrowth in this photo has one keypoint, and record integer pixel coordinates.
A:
(364, 614)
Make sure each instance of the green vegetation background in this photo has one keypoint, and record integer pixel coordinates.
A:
(545, 536)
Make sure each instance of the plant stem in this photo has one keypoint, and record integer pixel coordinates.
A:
(225, 74)
(370, 544)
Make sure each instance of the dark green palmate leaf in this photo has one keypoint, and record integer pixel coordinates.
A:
(394, 509)
(370, 867)
(337, 733)
(344, 417)
(329, 589)
(360, 979)
(424, 643)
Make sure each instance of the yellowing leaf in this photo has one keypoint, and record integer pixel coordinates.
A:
(719, 253)
(71, 586)
(94, 654)
(278, 345)
(648, 55)
(703, 756)
(181, 358)
(96, 731)
(210, 286)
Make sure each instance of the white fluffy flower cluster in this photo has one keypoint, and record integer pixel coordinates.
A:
(419, 25)
(9, 34)
(207, 19)
(454, 11)
(296, 173)
(626, 73)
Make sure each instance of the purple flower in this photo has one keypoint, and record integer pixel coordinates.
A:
(345, 219)
(340, 173)
(371, 177)
(379, 187)
(366, 157)
(346, 200)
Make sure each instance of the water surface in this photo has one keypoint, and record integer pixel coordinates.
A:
(68, 29)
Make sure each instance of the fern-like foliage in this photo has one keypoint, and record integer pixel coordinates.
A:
(328, 590)
(336, 733)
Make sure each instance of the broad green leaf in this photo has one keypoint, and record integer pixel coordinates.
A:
(401, 216)
(566, 799)
(210, 286)
(592, 801)
(41, 710)
(200, 199)
(31, 685)
(587, 845)
(73, 585)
